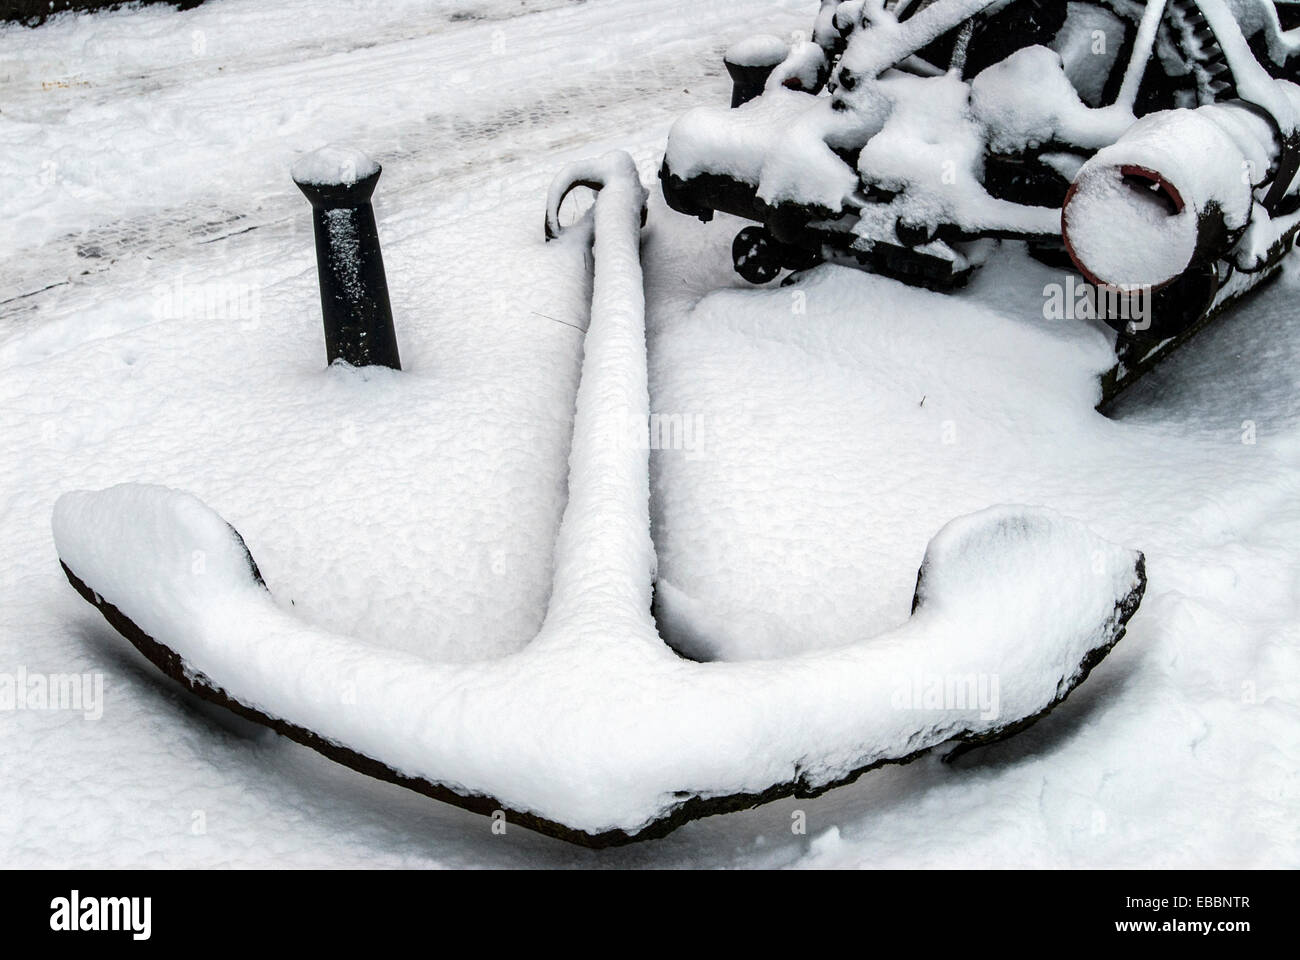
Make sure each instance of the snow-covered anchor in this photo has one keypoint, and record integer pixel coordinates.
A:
(358, 317)
(597, 731)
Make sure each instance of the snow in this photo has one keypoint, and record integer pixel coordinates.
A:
(801, 69)
(763, 50)
(1253, 82)
(925, 136)
(932, 150)
(334, 164)
(604, 549)
(1127, 235)
(417, 513)
(1027, 100)
(1089, 43)
(1212, 157)
(892, 41)
(779, 143)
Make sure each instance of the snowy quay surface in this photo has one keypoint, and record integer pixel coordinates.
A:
(159, 323)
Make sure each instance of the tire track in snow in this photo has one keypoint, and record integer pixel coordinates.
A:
(617, 90)
(106, 86)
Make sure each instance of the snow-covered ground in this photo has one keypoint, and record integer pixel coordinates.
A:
(828, 431)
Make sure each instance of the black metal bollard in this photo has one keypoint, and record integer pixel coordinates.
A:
(750, 62)
(353, 289)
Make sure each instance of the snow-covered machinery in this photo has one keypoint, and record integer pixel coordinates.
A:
(1155, 145)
